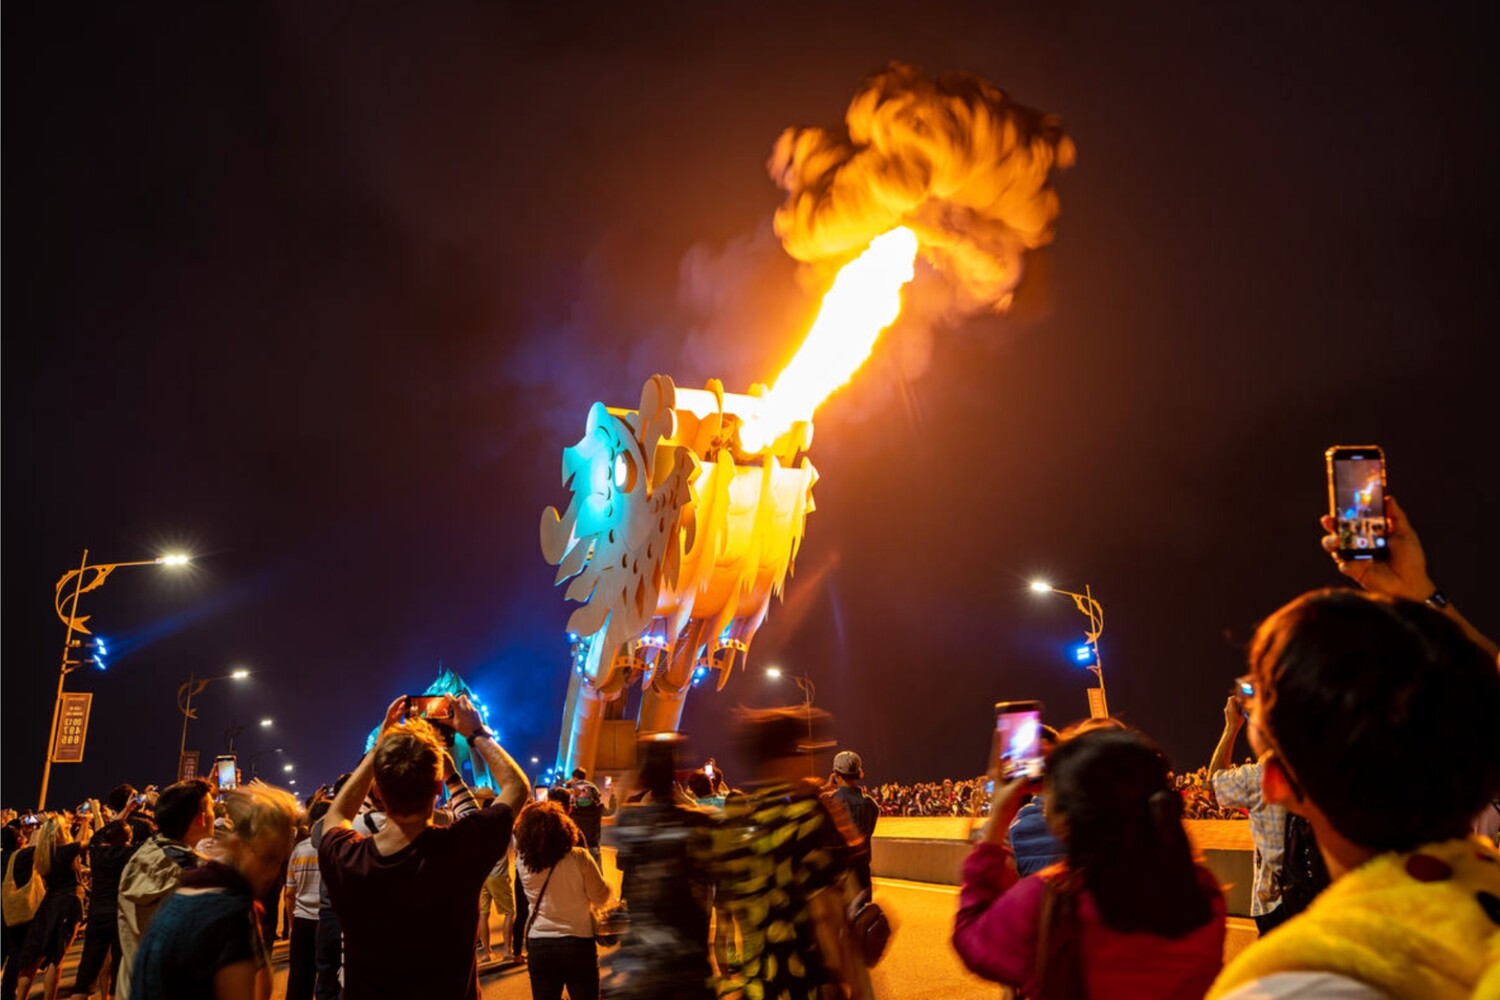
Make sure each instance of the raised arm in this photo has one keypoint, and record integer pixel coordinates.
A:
(514, 788)
(1234, 719)
(1403, 573)
(346, 803)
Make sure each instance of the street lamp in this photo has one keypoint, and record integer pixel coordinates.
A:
(267, 723)
(187, 692)
(255, 760)
(1086, 604)
(77, 623)
(809, 692)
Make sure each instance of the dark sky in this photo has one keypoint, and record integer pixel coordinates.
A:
(321, 295)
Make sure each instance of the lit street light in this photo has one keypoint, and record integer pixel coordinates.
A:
(809, 692)
(78, 623)
(185, 695)
(267, 723)
(286, 767)
(1094, 611)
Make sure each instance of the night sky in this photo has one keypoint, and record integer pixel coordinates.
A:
(320, 295)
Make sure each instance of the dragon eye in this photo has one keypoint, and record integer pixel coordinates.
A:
(625, 471)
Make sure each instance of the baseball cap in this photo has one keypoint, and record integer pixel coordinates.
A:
(848, 762)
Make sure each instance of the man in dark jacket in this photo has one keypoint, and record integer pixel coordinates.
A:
(847, 783)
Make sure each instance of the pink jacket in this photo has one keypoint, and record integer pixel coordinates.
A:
(995, 933)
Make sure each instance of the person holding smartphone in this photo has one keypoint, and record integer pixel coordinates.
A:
(1127, 914)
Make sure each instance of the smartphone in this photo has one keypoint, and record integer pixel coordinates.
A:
(1018, 729)
(608, 781)
(225, 763)
(432, 707)
(1356, 500)
(541, 794)
(83, 808)
(708, 769)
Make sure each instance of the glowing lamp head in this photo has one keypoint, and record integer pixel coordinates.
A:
(286, 767)
(173, 559)
(774, 673)
(1041, 587)
(1083, 655)
(239, 674)
(265, 723)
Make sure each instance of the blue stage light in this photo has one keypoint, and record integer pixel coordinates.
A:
(1083, 655)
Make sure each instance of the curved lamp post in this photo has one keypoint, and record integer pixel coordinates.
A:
(809, 692)
(66, 606)
(1094, 611)
(194, 687)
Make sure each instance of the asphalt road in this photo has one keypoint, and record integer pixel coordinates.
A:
(920, 964)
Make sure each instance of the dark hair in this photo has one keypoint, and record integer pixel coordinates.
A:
(408, 768)
(318, 811)
(700, 786)
(560, 795)
(178, 805)
(580, 773)
(1363, 694)
(766, 734)
(545, 834)
(114, 833)
(1125, 834)
(657, 772)
(10, 838)
(119, 797)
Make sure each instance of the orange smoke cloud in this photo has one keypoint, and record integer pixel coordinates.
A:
(956, 161)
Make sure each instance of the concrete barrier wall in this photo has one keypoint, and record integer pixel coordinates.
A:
(933, 848)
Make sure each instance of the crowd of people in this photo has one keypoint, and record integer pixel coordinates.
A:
(1369, 714)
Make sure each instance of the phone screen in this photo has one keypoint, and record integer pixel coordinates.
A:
(541, 794)
(708, 769)
(226, 771)
(1018, 725)
(428, 706)
(1356, 496)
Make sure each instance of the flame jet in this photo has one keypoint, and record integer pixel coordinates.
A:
(688, 512)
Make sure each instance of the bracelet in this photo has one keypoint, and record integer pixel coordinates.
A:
(481, 732)
(1438, 600)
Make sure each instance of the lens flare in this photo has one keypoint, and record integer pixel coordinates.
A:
(864, 300)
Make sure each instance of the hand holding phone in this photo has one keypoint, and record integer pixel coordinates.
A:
(1356, 502)
(1018, 740)
(226, 769)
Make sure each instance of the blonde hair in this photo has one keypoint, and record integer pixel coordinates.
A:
(258, 809)
(53, 834)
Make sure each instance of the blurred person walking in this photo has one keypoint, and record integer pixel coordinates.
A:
(407, 895)
(206, 940)
(664, 862)
(1127, 915)
(184, 815)
(781, 860)
(563, 885)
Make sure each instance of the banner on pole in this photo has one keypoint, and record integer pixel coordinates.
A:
(1096, 704)
(72, 727)
(187, 765)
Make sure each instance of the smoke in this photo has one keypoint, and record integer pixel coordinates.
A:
(957, 161)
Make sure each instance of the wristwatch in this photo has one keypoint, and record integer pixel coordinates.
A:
(481, 731)
(1438, 600)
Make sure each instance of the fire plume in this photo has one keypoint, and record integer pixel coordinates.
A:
(865, 299)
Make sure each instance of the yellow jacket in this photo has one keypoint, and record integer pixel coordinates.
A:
(1423, 925)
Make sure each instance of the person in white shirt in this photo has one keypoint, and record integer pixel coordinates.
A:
(563, 886)
(303, 893)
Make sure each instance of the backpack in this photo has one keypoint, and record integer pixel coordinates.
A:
(1303, 873)
(20, 903)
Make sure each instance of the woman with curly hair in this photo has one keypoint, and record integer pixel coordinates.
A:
(1127, 914)
(563, 886)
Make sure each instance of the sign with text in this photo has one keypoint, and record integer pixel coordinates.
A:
(1096, 704)
(187, 766)
(72, 727)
